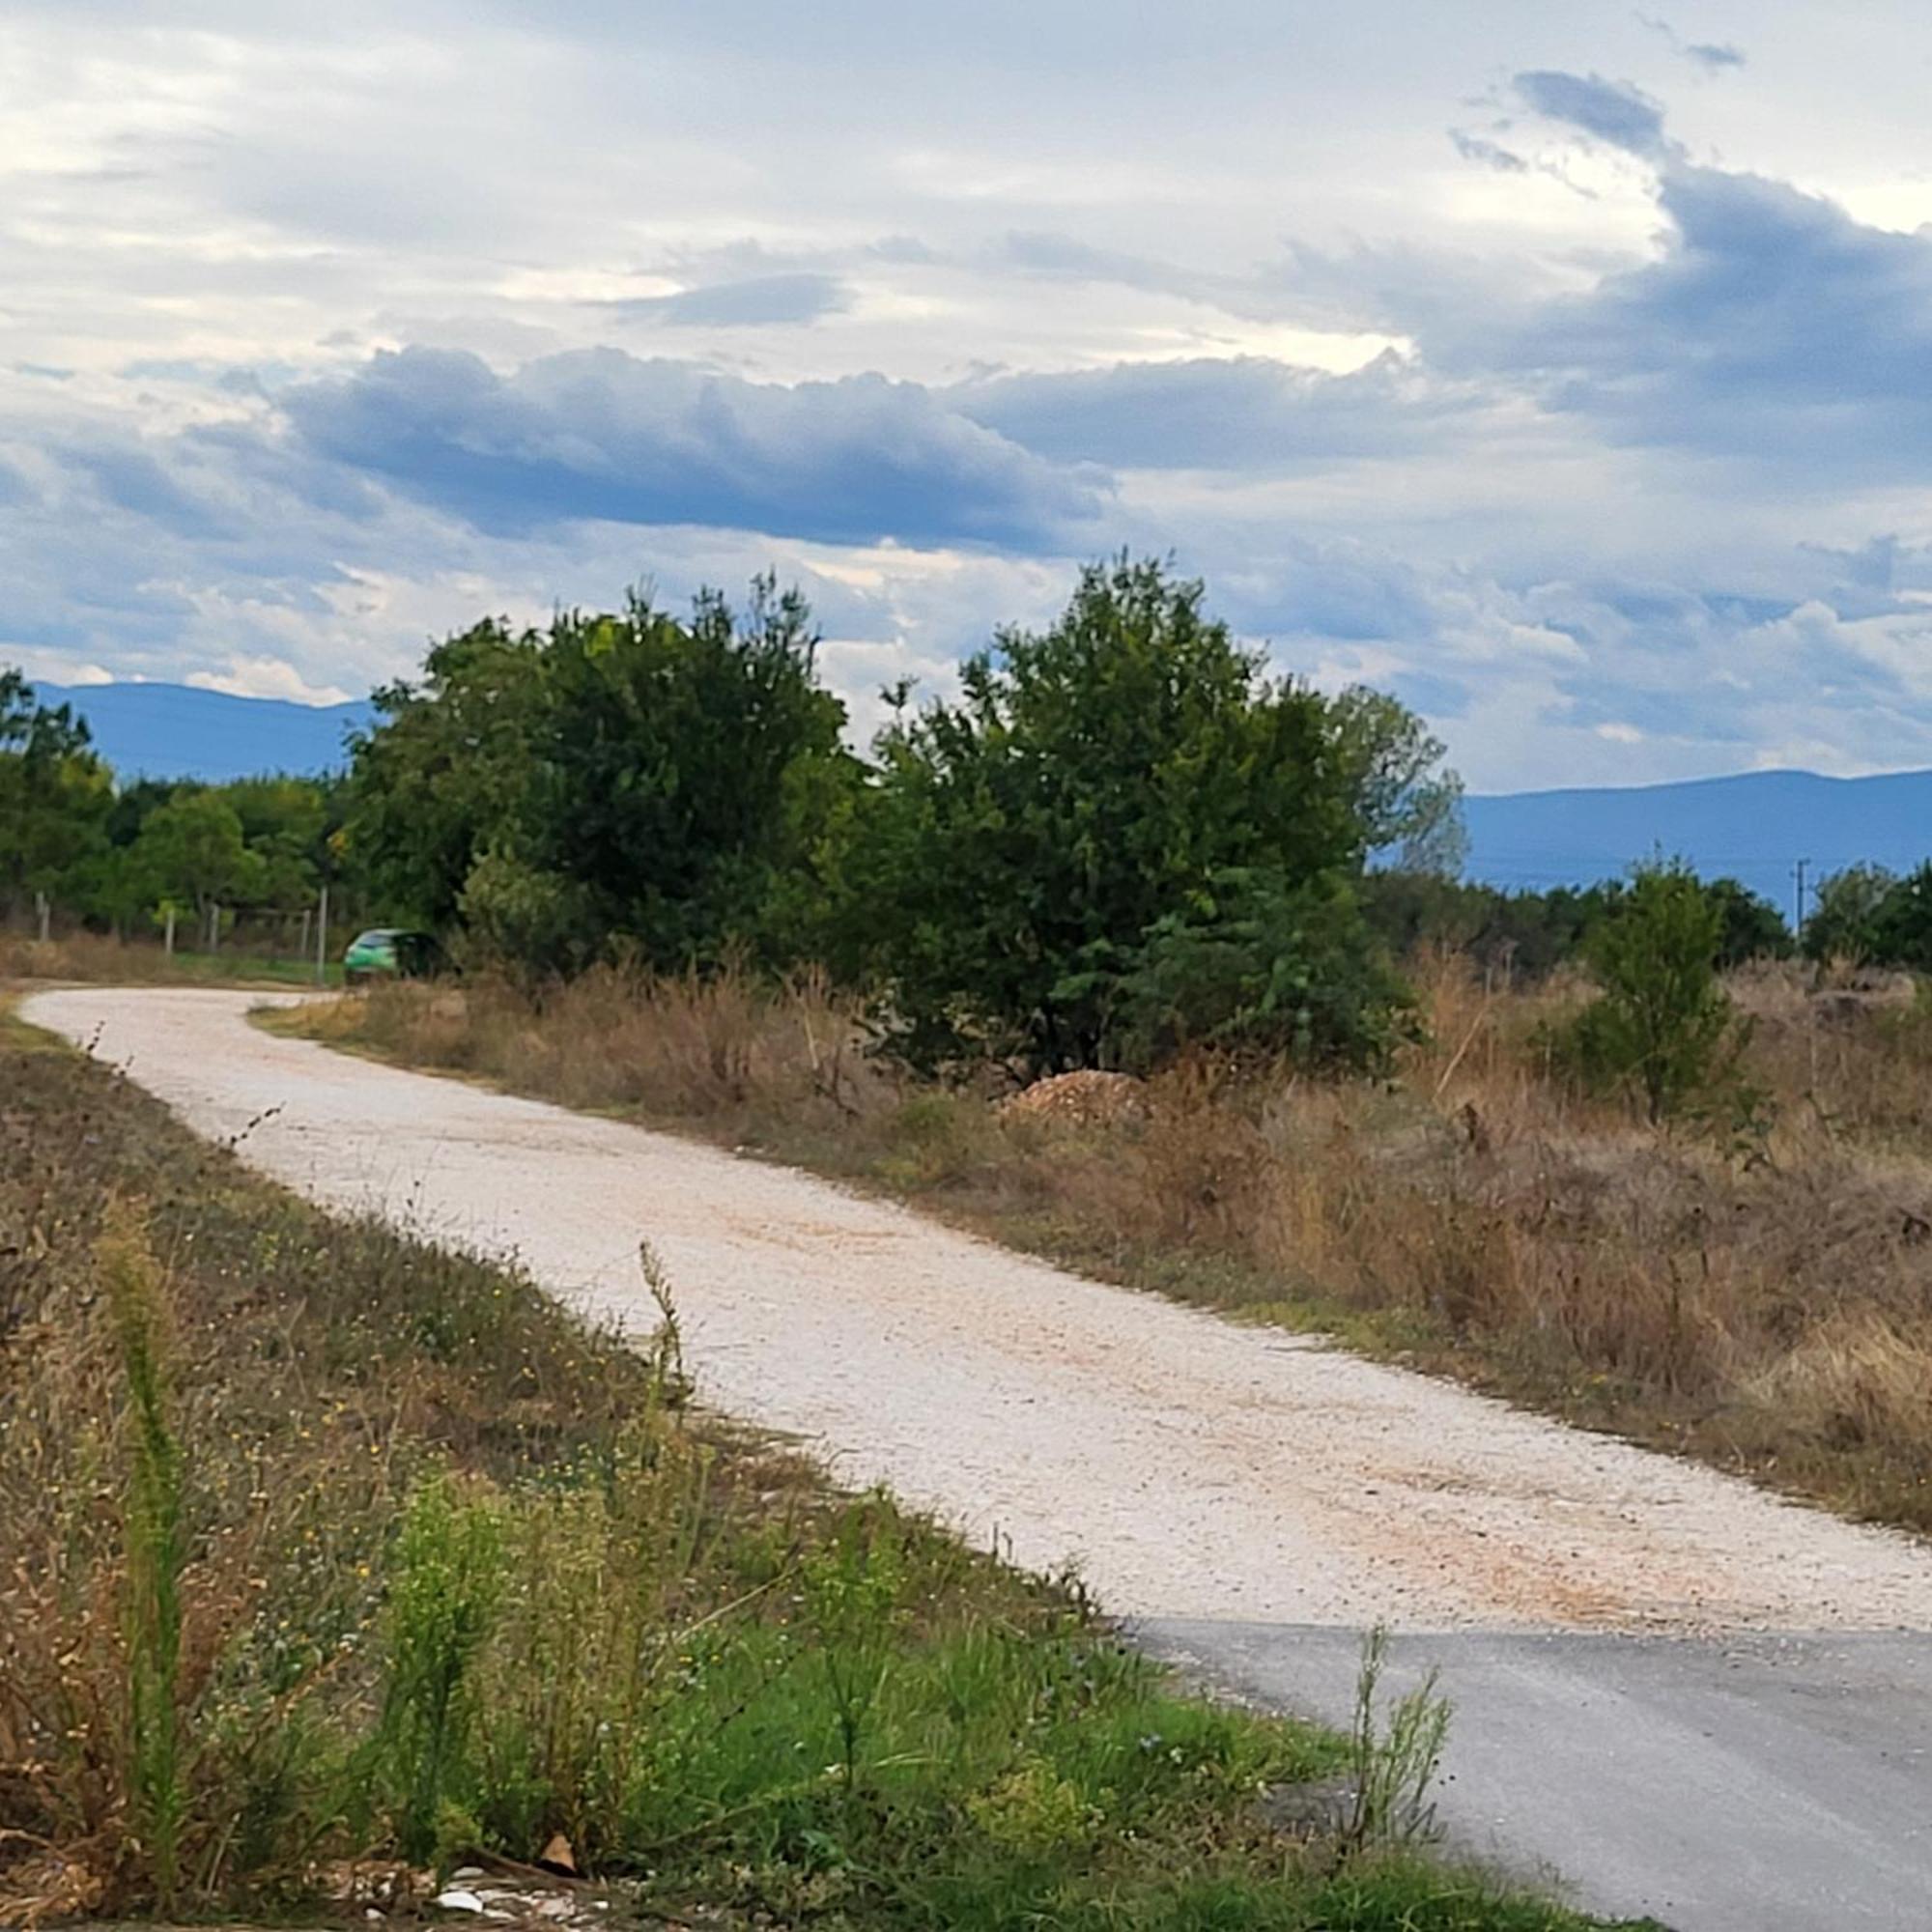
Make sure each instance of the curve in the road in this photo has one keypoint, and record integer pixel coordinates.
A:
(1203, 1476)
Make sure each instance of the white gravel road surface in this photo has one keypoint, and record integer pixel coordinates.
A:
(1190, 1468)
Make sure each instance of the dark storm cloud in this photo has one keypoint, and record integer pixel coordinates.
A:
(597, 434)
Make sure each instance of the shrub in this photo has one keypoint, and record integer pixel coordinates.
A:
(1661, 1025)
(1258, 964)
(446, 1581)
(1843, 917)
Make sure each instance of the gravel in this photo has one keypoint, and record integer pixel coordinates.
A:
(1188, 1466)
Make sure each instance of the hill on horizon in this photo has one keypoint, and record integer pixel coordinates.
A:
(1752, 826)
(182, 732)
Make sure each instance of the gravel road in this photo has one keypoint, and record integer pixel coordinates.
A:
(1202, 1475)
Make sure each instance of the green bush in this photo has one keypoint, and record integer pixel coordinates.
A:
(1662, 1026)
(1257, 964)
(446, 1581)
(1844, 916)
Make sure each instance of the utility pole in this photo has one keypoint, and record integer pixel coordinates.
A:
(1798, 924)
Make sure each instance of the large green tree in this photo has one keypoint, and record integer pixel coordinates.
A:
(192, 852)
(624, 776)
(1131, 775)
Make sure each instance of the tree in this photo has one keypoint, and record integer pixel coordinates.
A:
(1749, 925)
(1410, 809)
(1844, 912)
(445, 770)
(1899, 931)
(55, 795)
(1521, 933)
(1661, 1024)
(285, 825)
(1091, 780)
(190, 851)
(1257, 964)
(620, 776)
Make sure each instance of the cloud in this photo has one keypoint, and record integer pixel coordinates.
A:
(1487, 153)
(597, 434)
(1636, 465)
(1223, 414)
(129, 476)
(1714, 55)
(1711, 56)
(1773, 324)
(1610, 111)
(757, 301)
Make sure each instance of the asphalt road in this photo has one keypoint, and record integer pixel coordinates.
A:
(1752, 1783)
(1674, 1694)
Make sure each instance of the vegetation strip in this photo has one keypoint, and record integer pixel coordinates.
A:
(320, 1546)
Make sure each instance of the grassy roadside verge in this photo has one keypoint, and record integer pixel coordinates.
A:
(318, 1544)
(1760, 1303)
(96, 959)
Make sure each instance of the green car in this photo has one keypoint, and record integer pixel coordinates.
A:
(389, 953)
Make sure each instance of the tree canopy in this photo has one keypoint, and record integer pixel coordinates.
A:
(1122, 781)
(55, 794)
(625, 776)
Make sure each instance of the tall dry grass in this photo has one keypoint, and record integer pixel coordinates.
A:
(1761, 1299)
(725, 1048)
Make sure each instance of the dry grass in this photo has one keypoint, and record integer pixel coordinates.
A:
(1763, 1301)
(100, 959)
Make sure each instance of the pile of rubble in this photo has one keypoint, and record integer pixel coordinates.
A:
(1087, 1099)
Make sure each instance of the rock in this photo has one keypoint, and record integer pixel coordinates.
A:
(558, 1857)
(456, 1900)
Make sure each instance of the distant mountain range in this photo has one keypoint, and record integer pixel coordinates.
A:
(1754, 827)
(180, 732)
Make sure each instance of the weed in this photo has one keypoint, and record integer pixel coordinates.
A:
(155, 1547)
(1392, 1757)
(852, 1589)
(446, 1582)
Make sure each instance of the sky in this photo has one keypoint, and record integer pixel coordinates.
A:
(1565, 369)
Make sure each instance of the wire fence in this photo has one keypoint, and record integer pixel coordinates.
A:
(279, 937)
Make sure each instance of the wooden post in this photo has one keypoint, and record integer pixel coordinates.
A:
(322, 938)
(214, 926)
(168, 943)
(44, 906)
(302, 949)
